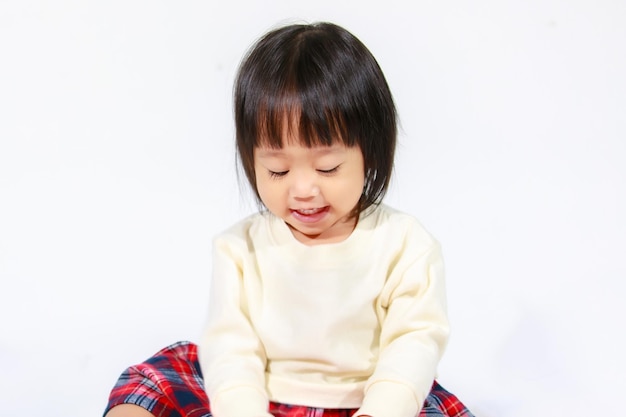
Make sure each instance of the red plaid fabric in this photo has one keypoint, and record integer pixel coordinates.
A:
(169, 384)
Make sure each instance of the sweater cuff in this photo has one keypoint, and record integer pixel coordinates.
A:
(240, 402)
(389, 399)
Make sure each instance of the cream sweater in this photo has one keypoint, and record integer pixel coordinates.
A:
(356, 324)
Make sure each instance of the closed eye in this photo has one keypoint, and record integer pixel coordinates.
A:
(328, 171)
(277, 174)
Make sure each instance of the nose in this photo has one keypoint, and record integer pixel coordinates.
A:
(303, 186)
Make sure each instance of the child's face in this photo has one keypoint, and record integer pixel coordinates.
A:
(314, 190)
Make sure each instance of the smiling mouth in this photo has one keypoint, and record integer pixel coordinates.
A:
(310, 212)
(311, 215)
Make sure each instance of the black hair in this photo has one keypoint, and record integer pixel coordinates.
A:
(324, 85)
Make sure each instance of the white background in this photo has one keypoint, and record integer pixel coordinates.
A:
(117, 168)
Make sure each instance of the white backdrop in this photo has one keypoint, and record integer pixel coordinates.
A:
(117, 168)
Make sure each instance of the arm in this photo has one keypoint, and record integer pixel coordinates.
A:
(413, 336)
(231, 355)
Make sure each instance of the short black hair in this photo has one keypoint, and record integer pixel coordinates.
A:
(323, 83)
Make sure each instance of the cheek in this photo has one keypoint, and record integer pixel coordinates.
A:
(259, 181)
(261, 188)
(268, 191)
(358, 180)
(357, 187)
(349, 191)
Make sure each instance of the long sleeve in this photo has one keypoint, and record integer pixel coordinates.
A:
(231, 355)
(413, 336)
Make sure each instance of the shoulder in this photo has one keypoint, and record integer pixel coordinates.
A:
(242, 232)
(401, 235)
(240, 227)
(261, 228)
(400, 225)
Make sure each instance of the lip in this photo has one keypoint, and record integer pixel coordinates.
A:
(310, 215)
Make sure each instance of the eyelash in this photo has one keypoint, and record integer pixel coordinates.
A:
(280, 174)
(275, 175)
(328, 171)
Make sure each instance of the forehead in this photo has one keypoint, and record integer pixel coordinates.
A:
(296, 148)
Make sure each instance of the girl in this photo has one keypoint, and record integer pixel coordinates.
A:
(327, 302)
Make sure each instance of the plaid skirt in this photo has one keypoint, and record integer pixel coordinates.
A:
(169, 384)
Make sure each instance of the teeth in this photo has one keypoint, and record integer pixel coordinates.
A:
(309, 211)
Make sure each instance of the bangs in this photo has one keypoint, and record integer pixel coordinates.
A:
(306, 116)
